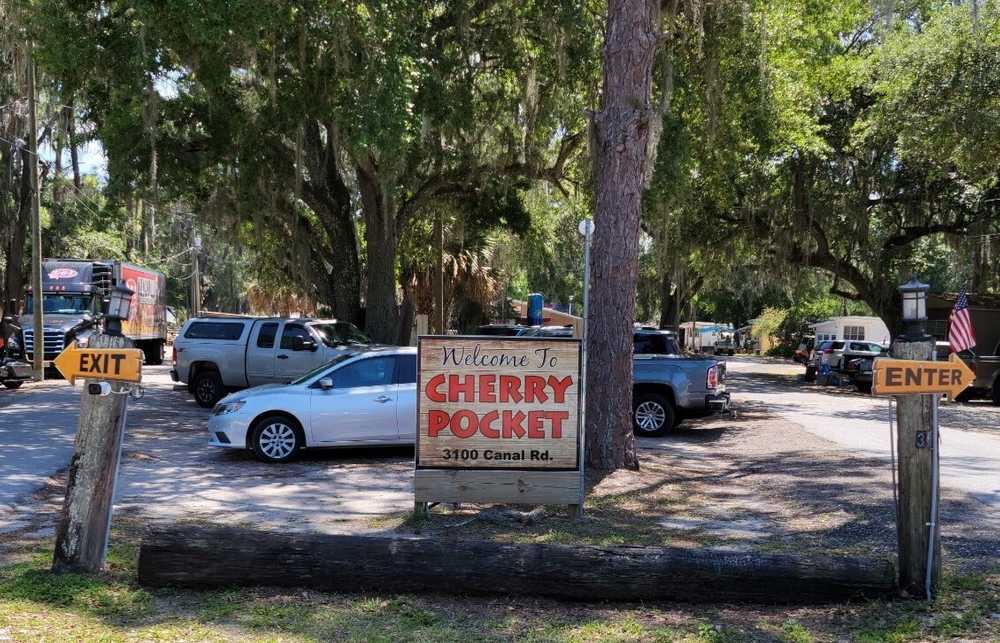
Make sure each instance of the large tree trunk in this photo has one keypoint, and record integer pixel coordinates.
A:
(327, 195)
(14, 278)
(381, 307)
(205, 557)
(621, 140)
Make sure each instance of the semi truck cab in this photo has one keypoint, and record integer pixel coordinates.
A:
(73, 294)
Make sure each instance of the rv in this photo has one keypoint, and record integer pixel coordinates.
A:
(869, 329)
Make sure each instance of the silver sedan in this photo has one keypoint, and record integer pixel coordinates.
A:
(361, 398)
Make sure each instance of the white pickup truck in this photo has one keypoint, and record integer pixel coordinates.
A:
(214, 355)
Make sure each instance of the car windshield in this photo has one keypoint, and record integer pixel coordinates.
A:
(871, 348)
(60, 304)
(325, 367)
(340, 333)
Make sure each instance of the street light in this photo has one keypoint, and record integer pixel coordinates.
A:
(118, 309)
(914, 293)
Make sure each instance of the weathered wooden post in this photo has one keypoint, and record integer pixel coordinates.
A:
(82, 535)
(107, 363)
(916, 444)
(917, 382)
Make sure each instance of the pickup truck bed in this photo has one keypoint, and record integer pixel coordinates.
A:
(667, 388)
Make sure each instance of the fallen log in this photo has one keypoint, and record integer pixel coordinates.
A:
(205, 557)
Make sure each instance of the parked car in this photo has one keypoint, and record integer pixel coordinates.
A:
(500, 330)
(668, 388)
(820, 356)
(859, 371)
(547, 331)
(655, 342)
(362, 397)
(213, 355)
(725, 346)
(852, 350)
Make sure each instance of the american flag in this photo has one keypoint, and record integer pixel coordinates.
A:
(960, 333)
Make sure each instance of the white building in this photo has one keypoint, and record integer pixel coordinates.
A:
(869, 329)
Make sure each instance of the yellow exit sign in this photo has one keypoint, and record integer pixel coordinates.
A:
(113, 364)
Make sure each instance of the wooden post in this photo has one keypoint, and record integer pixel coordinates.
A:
(82, 535)
(915, 447)
(38, 309)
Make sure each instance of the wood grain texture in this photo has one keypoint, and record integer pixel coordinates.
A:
(81, 537)
(534, 357)
(514, 487)
(207, 557)
(914, 413)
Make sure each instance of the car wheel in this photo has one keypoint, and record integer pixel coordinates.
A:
(652, 414)
(810, 374)
(13, 384)
(863, 387)
(996, 392)
(276, 438)
(208, 389)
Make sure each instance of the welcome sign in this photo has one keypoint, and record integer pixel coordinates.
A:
(488, 405)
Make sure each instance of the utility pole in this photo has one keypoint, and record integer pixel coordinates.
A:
(38, 308)
(196, 274)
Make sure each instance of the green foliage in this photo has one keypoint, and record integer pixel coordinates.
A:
(768, 323)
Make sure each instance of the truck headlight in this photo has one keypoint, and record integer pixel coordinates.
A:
(227, 408)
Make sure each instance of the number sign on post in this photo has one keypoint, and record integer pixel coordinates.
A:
(498, 420)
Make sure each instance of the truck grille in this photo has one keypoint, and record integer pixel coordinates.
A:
(55, 342)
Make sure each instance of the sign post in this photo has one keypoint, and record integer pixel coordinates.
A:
(498, 420)
(108, 364)
(917, 382)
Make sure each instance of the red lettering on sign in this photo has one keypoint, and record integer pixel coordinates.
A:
(467, 388)
(557, 418)
(487, 384)
(436, 420)
(510, 388)
(512, 424)
(534, 389)
(559, 387)
(432, 391)
(471, 424)
(486, 425)
(535, 425)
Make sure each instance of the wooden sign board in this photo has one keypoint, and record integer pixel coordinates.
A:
(111, 364)
(911, 377)
(498, 420)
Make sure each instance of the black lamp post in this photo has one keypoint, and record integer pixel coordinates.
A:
(118, 309)
(914, 294)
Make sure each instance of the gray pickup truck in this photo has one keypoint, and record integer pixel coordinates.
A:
(213, 355)
(668, 386)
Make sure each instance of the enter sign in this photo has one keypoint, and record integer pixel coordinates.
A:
(908, 377)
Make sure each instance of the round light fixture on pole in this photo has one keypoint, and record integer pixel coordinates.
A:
(586, 227)
(119, 306)
(914, 293)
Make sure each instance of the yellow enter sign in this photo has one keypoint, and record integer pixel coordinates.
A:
(907, 377)
(117, 364)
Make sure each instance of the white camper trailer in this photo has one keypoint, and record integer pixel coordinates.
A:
(869, 329)
(700, 337)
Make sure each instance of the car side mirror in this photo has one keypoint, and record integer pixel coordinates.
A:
(326, 383)
(303, 344)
